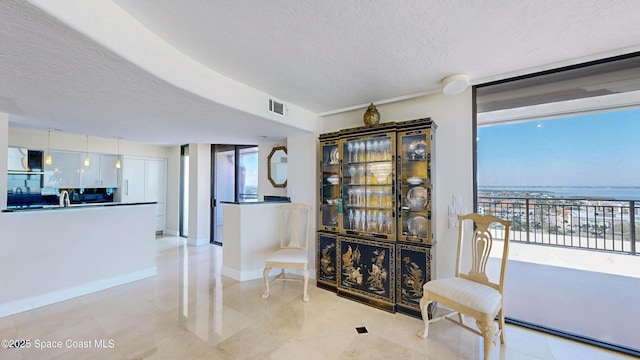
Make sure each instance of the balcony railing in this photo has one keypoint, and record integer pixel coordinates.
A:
(602, 225)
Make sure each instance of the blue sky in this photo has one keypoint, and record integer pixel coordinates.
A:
(601, 149)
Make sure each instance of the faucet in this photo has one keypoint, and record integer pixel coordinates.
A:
(64, 198)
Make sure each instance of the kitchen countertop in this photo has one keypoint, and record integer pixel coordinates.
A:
(73, 206)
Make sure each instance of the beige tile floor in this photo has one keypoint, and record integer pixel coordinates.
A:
(188, 311)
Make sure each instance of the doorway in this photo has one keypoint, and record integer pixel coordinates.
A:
(234, 179)
(183, 226)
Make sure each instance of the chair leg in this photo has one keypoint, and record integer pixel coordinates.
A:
(424, 304)
(305, 274)
(265, 275)
(503, 337)
(488, 331)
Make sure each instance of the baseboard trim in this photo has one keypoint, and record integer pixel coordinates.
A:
(36, 301)
(197, 242)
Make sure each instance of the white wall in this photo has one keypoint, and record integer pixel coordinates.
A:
(453, 157)
(264, 185)
(301, 186)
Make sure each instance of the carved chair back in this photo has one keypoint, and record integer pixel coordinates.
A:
(295, 224)
(480, 247)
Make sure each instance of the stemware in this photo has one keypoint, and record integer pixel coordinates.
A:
(387, 196)
(350, 218)
(361, 172)
(375, 146)
(387, 149)
(381, 221)
(368, 196)
(379, 192)
(350, 149)
(352, 172)
(369, 147)
(387, 220)
(362, 149)
(356, 218)
(370, 222)
(358, 194)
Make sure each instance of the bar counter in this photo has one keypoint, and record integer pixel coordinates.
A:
(69, 252)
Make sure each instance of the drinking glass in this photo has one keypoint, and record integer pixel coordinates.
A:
(361, 172)
(352, 172)
(362, 149)
(350, 218)
(350, 148)
(381, 221)
(387, 220)
(375, 146)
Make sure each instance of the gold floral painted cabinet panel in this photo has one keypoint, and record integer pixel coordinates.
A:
(366, 271)
(327, 265)
(413, 270)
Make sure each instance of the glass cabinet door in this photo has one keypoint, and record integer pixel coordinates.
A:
(330, 202)
(414, 186)
(368, 186)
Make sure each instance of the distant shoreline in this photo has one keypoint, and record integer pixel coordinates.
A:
(616, 193)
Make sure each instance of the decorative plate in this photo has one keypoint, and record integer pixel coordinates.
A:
(418, 226)
(417, 150)
(417, 198)
(334, 156)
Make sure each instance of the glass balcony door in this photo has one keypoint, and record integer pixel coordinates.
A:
(234, 179)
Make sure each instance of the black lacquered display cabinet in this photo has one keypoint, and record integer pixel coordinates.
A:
(375, 235)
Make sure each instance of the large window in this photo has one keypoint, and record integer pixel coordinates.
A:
(557, 154)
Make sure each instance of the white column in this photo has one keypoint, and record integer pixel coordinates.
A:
(199, 194)
(303, 179)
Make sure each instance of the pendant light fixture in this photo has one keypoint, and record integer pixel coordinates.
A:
(118, 164)
(87, 161)
(47, 159)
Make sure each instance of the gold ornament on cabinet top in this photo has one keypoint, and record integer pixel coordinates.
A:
(371, 116)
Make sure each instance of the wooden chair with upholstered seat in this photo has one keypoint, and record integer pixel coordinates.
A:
(472, 294)
(293, 251)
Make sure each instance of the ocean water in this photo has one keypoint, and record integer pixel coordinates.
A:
(583, 192)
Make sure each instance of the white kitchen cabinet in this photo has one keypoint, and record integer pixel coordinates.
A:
(90, 175)
(101, 172)
(145, 180)
(133, 180)
(64, 171)
(108, 171)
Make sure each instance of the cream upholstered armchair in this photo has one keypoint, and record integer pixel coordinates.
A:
(293, 252)
(472, 294)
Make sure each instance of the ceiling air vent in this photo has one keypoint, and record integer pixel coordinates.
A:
(277, 108)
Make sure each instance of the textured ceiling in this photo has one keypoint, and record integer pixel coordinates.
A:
(321, 55)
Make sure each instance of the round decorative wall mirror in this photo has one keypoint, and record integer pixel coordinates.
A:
(277, 166)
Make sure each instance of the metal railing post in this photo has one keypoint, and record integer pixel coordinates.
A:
(632, 225)
(526, 210)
